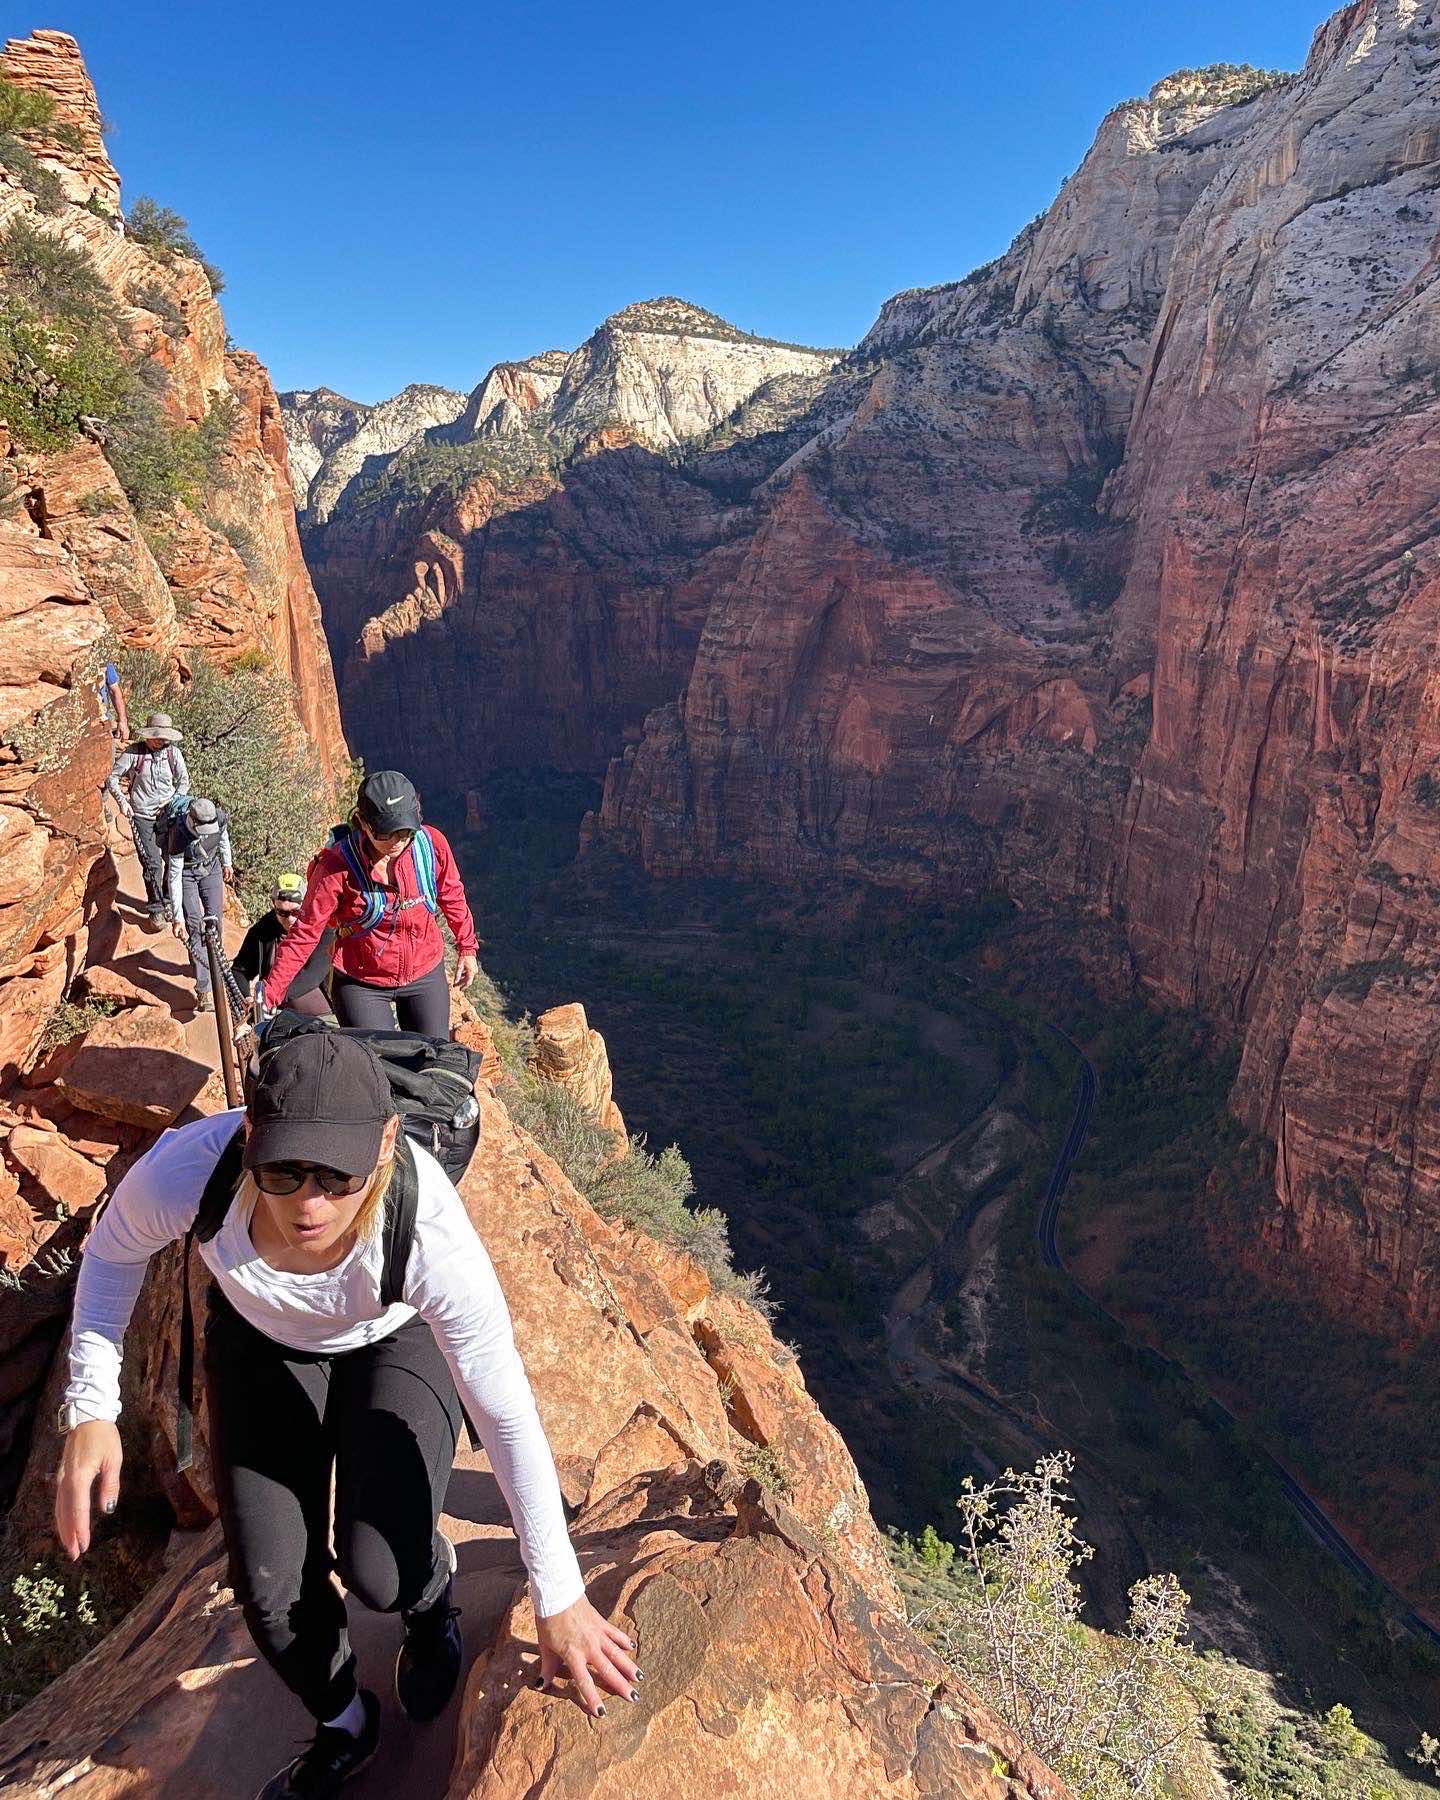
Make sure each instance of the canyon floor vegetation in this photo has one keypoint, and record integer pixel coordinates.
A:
(829, 1069)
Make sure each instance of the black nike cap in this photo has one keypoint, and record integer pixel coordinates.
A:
(321, 1097)
(388, 802)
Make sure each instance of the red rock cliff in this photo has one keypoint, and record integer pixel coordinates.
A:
(1121, 582)
(523, 582)
(187, 587)
(80, 575)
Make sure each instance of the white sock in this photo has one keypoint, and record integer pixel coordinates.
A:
(351, 1720)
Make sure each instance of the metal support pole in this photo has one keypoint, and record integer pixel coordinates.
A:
(224, 1024)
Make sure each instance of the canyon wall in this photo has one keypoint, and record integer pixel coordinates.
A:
(1185, 671)
(1105, 574)
(521, 585)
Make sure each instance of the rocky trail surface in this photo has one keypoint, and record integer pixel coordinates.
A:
(768, 1628)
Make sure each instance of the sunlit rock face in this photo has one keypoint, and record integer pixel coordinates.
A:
(1104, 574)
(1161, 634)
(81, 575)
(524, 581)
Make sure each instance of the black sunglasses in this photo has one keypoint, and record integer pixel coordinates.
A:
(289, 1178)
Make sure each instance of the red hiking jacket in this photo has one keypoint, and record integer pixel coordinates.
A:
(405, 945)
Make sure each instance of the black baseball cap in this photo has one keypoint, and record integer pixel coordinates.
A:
(388, 802)
(321, 1097)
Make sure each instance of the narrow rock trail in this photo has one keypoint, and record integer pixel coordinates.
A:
(159, 964)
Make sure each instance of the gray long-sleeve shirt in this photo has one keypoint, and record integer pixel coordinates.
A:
(156, 776)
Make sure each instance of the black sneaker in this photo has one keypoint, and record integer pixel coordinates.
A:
(428, 1665)
(331, 1760)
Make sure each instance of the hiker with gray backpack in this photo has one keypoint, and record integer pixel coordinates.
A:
(199, 864)
(354, 1319)
(153, 770)
(380, 884)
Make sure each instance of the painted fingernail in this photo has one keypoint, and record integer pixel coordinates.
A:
(599, 1712)
(538, 1682)
(109, 1506)
(639, 1676)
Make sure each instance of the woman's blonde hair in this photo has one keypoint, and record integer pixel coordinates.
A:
(368, 1222)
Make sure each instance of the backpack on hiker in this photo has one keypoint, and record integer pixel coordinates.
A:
(422, 849)
(174, 810)
(432, 1084)
(200, 851)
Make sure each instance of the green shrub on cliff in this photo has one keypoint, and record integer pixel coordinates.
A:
(652, 1193)
(60, 282)
(159, 462)
(51, 378)
(24, 109)
(166, 235)
(1116, 1715)
(43, 183)
(60, 356)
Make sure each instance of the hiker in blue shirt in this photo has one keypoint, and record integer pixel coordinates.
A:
(198, 864)
(112, 702)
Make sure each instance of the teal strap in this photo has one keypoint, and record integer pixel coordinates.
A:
(422, 849)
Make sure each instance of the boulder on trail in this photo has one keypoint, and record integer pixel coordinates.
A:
(63, 1175)
(135, 1066)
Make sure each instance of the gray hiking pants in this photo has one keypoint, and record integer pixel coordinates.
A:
(203, 897)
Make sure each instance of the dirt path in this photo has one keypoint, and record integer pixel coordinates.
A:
(159, 964)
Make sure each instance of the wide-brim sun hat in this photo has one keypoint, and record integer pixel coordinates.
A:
(161, 725)
(320, 1097)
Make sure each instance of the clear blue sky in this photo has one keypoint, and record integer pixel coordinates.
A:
(411, 193)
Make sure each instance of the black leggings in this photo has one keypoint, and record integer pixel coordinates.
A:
(422, 1005)
(148, 835)
(385, 1419)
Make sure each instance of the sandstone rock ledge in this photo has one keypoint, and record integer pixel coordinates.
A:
(769, 1671)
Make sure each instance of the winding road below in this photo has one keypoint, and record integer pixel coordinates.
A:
(1311, 1514)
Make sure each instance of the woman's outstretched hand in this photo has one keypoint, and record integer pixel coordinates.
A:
(92, 1455)
(580, 1643)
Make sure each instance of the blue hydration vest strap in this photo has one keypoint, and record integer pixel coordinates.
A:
(422, 851)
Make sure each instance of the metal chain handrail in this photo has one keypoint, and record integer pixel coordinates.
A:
(230, 1004)
(238, 1002)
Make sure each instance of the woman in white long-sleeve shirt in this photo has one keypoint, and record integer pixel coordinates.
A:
(310, 1376)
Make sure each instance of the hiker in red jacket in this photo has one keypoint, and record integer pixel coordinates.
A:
(379, 885)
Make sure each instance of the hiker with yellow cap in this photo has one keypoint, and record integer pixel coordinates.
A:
(256, 957)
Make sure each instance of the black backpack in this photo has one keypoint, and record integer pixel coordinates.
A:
(432, 1082)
